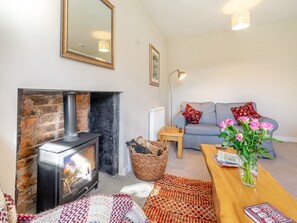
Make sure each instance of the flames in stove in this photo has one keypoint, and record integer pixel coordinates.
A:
(78, 168)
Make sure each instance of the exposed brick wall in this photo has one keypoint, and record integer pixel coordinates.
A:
(82, 111)
(40, 119)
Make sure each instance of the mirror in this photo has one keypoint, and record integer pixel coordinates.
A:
(87, 31)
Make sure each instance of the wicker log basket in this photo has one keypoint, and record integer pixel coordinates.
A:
(149, 167)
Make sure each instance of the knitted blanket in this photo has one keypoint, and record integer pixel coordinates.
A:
(118, 208)
(94, 209)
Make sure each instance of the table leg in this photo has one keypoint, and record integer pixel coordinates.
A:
(180, 147)
(161, 138)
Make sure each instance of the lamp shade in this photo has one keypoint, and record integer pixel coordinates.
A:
(181, 75)
(240, 20)
(103, 46)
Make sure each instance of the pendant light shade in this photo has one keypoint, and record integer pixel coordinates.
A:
(103, 46)
(241, 20)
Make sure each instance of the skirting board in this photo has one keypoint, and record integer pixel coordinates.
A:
(125, 171)
(286, 139)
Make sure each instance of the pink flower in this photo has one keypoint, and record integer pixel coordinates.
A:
(239, 137)
(254, 125)
(266, 126)
(243, 119)
(223, 125)
(229, 121)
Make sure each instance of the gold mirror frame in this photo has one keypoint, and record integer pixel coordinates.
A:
(65, 52)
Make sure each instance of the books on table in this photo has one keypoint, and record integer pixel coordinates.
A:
(266, 213)
(226, 159)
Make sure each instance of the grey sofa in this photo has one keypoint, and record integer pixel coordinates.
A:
(208, 130)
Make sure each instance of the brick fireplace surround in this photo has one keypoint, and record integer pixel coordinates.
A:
(40, 120)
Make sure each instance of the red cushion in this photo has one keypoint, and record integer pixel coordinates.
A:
(246, 110)
(192, 116)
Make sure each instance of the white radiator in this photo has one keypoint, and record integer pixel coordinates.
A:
(157, 121)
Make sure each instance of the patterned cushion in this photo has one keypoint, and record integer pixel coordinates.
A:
(192, 116)
(7, 209)
(208, 109)
(245, 110)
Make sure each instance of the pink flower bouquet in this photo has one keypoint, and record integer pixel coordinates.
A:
(247, 141)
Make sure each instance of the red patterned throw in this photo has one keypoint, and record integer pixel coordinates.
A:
(247, 110)
(179, 200)
(192, 116)
(117, 208)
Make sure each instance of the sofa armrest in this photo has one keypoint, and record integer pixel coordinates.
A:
(270, 120)
(179, 120)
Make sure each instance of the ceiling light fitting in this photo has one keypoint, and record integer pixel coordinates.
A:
(103, 46)
(241, 20)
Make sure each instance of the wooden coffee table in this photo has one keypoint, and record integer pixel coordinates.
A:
(173, 134)
(231, 196)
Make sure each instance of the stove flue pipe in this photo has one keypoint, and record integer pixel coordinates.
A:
(69, 99)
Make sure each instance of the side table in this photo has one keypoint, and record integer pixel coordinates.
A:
(173, 134)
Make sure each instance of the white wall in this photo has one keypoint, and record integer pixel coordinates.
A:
(30, 58)
(257, 64)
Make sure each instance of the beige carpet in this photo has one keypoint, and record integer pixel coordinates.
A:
(192, 165)
(284, 167)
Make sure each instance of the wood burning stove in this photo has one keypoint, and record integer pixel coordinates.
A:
(67, 168)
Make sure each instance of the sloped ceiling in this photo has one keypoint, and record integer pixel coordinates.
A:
(182, 18)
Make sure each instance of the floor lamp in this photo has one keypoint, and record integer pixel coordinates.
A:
(180, 75)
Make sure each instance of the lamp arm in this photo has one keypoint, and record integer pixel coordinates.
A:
(169, 79)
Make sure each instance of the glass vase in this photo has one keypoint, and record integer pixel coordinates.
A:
(248, 172)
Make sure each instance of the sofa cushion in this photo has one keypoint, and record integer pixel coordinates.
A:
(223, 111)
(192, 115)
(202, 129)
(208, 109)
(245, 110)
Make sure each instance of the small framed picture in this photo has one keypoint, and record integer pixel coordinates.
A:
(154, 66)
